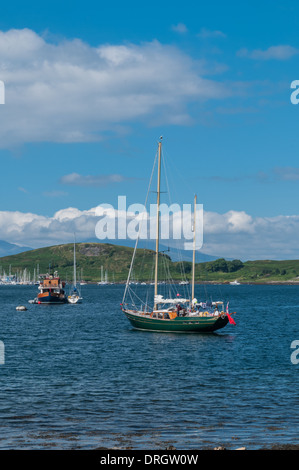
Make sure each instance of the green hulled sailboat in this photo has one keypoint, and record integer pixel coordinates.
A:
(177, 315)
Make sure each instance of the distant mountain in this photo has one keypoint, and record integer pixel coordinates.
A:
(7, 249)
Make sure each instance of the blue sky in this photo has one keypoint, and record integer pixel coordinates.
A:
(91, 87)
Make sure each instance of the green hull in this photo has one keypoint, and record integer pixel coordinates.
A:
(178, 325)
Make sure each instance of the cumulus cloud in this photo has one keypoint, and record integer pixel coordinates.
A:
(234, 234)
(239, 235)
(272, 53)
(38, 230)
(233, 221)
(287, 173)
(180, 28)
(72, 92)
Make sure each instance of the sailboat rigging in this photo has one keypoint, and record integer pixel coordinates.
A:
(172, 314)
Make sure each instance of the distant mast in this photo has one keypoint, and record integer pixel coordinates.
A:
(194, 240)
(158, 221)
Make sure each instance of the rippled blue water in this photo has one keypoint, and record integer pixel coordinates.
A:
(78, 376)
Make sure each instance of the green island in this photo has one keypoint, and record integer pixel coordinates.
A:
(94, 259)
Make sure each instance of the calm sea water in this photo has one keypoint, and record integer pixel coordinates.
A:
(79, 377)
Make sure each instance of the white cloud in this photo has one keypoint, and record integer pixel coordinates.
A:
(72, 213)
(35, 230)
(239, 235)
(287, 173)
(179, 28)
(232, 235)
(73, 92)
(19, 44)
(233, 221)
(273, 52)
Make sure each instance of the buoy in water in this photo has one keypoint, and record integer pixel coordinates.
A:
(21, 307)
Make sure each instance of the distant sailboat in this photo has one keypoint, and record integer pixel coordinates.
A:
(74, 297)
(102, 281)
(82, 282)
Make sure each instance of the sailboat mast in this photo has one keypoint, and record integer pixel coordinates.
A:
(158, 221)
(194, 239)
(75, 274)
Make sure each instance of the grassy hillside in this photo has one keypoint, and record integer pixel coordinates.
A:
(116, 261)
(251, 271)
(90, 258)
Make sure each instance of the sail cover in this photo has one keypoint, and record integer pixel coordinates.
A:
(160, 300)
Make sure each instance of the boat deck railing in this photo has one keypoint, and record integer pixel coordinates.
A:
(166, 314)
